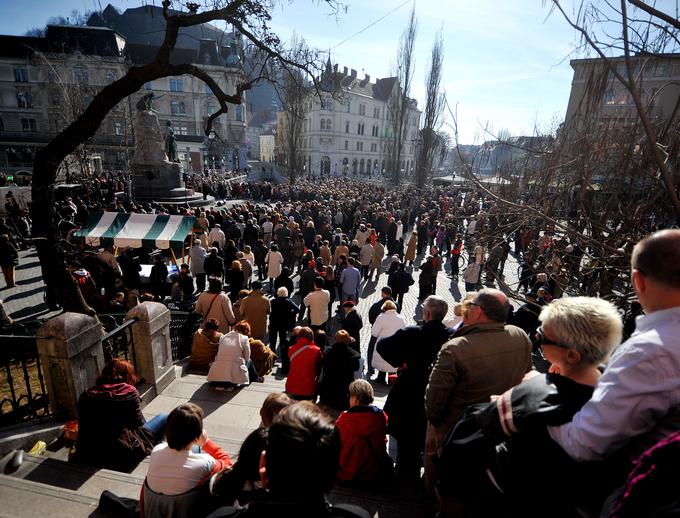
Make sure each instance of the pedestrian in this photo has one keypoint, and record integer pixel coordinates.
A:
(387, 323)
(215, 304)
(281, 322)
(274, 261)
(255, 308)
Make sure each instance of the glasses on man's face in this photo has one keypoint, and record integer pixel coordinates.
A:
(543, 340)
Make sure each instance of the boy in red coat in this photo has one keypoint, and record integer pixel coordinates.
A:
(305, 365)
(363, 429)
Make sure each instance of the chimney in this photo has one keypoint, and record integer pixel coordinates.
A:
(344, 71)
(354, 74)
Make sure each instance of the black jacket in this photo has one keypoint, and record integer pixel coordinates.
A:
(353, 324)
(283, 315)
(400, 281)
(417, 347)
(339, 364)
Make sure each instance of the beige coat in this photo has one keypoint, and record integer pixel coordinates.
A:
(410, 254)
(203, 350)
(220, 309)
(378, 255)
(255, 308)
(326, 254)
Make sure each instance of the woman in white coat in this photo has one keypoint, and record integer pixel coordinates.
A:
(231, 364)
(274, 260)
(387, 323)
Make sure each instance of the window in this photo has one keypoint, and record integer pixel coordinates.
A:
(374, 131)
(176, 85)
(55, 99)
(29, 125)
(362, 109)
(21, 75)
(180, 130)
(117, 128)
(376, 113)
(210, 108)
(2, 125)
(148, 86)
(346, 144)
(329, 125)
(327, 104)
(24, 99)
(348, 106)
(110, 76)
(52, 76)
(177, 108)
(360, 146)
(347, 127)
(612, 98)
(323, 124)
(360, 128)
(81, 75)
(207, 88)
(374, 147)
(239, 113)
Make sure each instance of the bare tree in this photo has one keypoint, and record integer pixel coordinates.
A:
(250, 17)
(399, 103)
(434, 107)
(297, 97)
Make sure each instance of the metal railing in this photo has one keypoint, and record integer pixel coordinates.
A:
(120, 343)
(183, 325)
(23, 394)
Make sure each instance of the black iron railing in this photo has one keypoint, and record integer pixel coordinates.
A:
(183, 325)
(23, 394)
(119, 343)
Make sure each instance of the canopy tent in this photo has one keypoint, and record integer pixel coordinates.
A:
(136, 230)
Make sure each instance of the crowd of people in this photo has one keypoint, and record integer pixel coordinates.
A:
(522, 378)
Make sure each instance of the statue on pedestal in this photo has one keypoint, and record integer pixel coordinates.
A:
(171, 144)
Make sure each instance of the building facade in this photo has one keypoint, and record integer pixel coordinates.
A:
(349, 130)
(267, 148)
(46, 82)
(595, 91)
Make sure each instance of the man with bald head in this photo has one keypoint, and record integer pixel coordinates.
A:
(484, 357)
(637, 400)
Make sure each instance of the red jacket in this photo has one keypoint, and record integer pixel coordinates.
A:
(362, 434)
(303, 375)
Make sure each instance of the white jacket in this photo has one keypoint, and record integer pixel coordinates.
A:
(230, 363)
(274, 262)
(387, 323)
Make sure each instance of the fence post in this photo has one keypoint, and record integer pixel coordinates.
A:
(71, 355)
(153, 348)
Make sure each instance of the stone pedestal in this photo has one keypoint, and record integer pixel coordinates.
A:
(154, 177)
(153, 349)
(71, 356)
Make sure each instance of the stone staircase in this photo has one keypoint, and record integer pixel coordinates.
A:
(51, 485)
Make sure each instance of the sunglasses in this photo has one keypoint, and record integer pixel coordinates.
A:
(543, 340)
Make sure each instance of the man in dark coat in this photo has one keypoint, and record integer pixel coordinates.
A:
(416, 347)
(400, 281)
(352, 323)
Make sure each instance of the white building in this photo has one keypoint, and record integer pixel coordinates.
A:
(350, 134)
(267, 144)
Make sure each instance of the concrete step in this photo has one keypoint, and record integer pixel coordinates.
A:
(24, 498)
(84, 480)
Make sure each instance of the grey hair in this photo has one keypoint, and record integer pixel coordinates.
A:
(589, 325)
(437, 307)
(282, 292)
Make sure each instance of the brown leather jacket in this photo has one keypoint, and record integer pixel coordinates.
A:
(479, 361)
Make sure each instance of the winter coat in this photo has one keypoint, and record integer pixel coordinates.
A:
(378, 255)
(203, 350)
(352, 324)
(284, 313)
(400, 281)
(217, 306)
(230, 362)
(263, 357)
(412, 349)
(303, 376)
(411, 248)
(110, 428)
(340, 361)
(274, 262)
(387, 323)
(255, 308)
(363, 456)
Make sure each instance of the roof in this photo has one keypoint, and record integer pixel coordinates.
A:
(141, 54)
(136, 230)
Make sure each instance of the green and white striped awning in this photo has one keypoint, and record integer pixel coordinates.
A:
(136, 230)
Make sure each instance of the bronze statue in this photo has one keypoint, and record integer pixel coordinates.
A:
(171, 144)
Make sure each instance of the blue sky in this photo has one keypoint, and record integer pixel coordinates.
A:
(506, 64)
